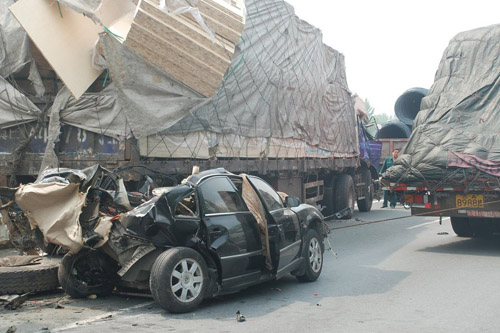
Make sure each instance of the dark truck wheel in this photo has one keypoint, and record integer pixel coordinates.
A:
(461, 226)
(365, 205)
(29, 278)
(179, 279)
(87, 273)
(344, 194)
(312, 252)
(481, 227)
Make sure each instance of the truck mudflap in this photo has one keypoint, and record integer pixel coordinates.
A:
(448, 201)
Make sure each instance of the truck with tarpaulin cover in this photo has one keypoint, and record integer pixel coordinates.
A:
(282, 110)
(451, 163)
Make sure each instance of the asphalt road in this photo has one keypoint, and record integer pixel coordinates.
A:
(405, 275)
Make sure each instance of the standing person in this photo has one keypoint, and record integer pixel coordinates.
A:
(388, 162)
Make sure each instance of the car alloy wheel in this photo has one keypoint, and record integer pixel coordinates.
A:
(315, 257)
(186, 280)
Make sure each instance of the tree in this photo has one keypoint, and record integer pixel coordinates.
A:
(383, 118)
(369, 109)
(380, 118)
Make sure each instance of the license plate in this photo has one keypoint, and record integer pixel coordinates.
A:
(470, 201)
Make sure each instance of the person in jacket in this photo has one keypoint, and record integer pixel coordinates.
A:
(388, 162)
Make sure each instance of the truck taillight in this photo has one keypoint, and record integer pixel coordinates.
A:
(414, 198)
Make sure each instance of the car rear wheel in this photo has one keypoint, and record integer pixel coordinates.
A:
(312, 253)
(179, 279)
(86, 273)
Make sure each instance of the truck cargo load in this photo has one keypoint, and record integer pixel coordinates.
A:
(455, 136)
(451, 163)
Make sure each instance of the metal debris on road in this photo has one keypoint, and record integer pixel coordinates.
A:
(239, 317)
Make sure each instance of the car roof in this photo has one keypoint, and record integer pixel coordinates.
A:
(196, 178)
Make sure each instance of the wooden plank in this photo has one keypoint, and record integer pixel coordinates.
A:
(229, 9)
(66, 42)
(178, 64)
(222, 47)
(220, 28)
(183, 42)
(207, 9)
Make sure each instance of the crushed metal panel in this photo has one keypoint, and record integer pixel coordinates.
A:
(55, 208)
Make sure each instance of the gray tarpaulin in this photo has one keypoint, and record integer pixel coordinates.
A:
(283, 82)
(284, 90)
(151, 100)
(15, 48)
(15, 107)
(457, 132)
(95, 112)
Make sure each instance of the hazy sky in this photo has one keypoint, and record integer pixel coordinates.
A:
(390, 46)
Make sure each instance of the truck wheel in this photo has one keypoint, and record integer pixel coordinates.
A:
(312, 252)
(461, 226)
(344, 194)
(365, 205)
(179, 279)
(29, 278)
(480, 227)
(87, 273)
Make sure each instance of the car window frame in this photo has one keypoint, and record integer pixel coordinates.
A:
(283, 206)
(197, 203)
(202, 200)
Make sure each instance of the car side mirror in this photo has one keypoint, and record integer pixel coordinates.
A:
(292, 201)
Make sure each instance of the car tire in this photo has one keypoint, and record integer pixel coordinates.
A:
(344, 194)
(29, 278)
(312, 252)
(43, 244)
(461, 226)
(86, 273)
(179, 279)
(365, 204)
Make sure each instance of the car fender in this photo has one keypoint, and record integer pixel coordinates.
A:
(308, 214)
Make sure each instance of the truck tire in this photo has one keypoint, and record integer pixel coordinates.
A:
(481, 227)
(365, 204)
(461, 226)
(344, 194)
(29, 278)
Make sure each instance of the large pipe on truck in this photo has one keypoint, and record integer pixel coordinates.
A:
(393, 129)
(408, 104)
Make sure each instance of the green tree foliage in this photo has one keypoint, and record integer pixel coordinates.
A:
(380, 118)
(369, 109)
(383, 118)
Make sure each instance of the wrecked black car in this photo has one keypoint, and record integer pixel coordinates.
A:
(216, 233)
